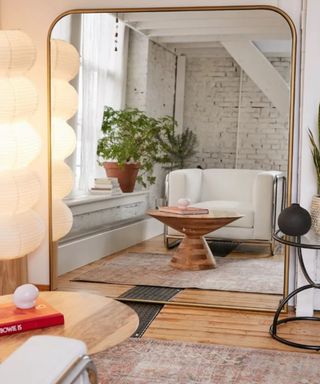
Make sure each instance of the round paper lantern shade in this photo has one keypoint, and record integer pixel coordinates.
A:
(64, 99)
(62, 180)
(20, 234)
(19, 145)
(65, 60)
(19, 191)
(18, 99)
(61, 219)
(63, 139)
(17, 53)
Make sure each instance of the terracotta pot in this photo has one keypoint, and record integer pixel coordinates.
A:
(126, 176)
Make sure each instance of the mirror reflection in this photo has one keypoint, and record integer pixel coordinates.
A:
(171, 109)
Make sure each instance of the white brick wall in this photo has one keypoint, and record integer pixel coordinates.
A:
(137, 71)
(151, 87)
(211, 111)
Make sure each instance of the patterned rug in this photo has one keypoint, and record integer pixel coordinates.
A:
(148, 361)
(259, 273)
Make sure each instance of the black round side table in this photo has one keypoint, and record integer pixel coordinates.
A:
(308, 241)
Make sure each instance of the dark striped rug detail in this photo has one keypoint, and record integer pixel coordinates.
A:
(147, 292)
(147, 313)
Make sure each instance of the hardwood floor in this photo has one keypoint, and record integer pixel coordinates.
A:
(206, 325)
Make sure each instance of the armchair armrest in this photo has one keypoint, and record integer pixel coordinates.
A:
(266, 195)
(48, 359)
(183, 183)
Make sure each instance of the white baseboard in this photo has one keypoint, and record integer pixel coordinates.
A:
(84, 251)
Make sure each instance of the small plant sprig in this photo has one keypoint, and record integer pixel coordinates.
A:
(315, 150)
(177, 148)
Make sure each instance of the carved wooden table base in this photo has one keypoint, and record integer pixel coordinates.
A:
(193, 252)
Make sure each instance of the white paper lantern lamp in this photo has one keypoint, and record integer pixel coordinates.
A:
(64, 99)
(63, 139)
(19, 191)
(62, 180)
(19, 145)
(21, 228)
(62, 219)
(18, 99)
(17, 53)
(65, 60)
(20, 234)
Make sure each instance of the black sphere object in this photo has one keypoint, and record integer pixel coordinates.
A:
(294, 220)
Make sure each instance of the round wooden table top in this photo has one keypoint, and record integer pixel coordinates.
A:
(98, 321)
(195, 224)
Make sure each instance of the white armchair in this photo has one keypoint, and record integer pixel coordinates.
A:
(257, 195)
(49, 360)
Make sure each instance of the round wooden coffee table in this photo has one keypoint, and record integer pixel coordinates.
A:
(193, 253)
(98, 321)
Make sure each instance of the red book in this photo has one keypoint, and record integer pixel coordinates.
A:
(184, 211)
(16, 320)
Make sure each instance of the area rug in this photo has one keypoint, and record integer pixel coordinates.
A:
(148, 361)
(242, 274)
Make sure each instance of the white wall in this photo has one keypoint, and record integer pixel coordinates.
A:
(35, 17)
(310, 99)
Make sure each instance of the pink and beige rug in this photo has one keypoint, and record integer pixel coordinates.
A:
(261, 273)
(148, 361)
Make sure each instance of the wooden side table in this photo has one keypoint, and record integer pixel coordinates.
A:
(98, 321)
(308, 241)
(193, 253)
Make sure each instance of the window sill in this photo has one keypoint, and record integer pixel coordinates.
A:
(91, 203)
(87, 199)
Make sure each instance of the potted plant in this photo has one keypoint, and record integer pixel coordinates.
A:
(315, 204)
(177, 148)
(130, 144)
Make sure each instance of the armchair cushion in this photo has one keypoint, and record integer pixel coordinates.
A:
(243, 208)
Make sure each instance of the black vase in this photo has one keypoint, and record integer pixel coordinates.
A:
(294, 220)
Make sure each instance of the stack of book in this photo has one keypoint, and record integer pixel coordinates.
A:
(106, 186)
(184, 210)
(16, 320)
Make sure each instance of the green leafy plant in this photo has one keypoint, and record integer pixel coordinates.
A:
(177, 148)
(129, 135)
(315, 150)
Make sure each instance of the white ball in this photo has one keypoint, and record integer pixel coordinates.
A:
(25, 296)
(183, 202)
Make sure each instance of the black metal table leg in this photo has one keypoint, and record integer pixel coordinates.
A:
(276, 321)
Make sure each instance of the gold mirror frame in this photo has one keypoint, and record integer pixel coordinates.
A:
(52, 246)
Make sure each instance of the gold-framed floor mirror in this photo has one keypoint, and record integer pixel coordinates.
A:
(218, 84)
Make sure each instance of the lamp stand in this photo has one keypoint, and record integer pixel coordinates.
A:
(13, 273)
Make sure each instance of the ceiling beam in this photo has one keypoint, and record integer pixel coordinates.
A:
(235, 30)
(262, 72)
(198, 15)
(212, 22)
(218, 37)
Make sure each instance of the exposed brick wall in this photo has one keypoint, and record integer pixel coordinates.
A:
(211, 111)
(263, 131)
(137, 68)
(160, 81)
(151, 87)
